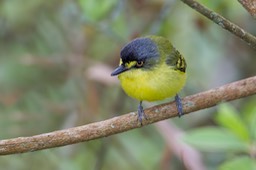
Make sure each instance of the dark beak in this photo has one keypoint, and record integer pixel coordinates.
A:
(119, 70)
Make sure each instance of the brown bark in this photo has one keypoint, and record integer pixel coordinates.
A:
(223, 22)
(203, 100)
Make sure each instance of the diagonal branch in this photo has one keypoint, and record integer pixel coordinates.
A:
(232, 91)
(223, 22)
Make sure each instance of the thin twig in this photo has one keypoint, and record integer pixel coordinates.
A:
(129, 121)
(223, 22)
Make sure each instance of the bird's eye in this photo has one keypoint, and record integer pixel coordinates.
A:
(139, 63)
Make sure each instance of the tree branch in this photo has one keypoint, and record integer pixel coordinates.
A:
(250, 6)
(223, 22)
(128, 121)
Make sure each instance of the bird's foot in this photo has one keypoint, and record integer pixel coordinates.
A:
(178, 105)
(141, 114)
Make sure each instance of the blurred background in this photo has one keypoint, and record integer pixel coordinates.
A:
(55, 63)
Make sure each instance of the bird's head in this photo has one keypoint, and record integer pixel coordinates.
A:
(141, 53)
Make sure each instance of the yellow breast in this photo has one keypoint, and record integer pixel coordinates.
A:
(152, 84)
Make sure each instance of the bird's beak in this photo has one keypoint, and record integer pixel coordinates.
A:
(119, 70)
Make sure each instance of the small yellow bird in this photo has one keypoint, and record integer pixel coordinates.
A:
(151, 69)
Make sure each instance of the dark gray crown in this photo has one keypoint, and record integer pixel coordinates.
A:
(139, 49)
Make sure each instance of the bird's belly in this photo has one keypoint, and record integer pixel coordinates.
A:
(152, 85)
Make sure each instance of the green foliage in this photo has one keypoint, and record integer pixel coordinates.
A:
(228, 117)
(96, 10)
(216, 139)
(234, 135)
(239, 163)
(250, 117)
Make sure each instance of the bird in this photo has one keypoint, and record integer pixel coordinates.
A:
(151, 69)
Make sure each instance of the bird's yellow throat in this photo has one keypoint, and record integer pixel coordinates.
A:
(154, 84)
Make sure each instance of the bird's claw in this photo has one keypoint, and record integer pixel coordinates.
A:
(141, 113)
(179, 105)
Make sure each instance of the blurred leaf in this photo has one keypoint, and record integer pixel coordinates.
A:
(228, 117)
(16, 15)
(214, 139)
(249, 111)
(252, 124)
(95, 10)
(130, 147)
(100, 43)
(119, 26)
(239, 163)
